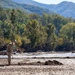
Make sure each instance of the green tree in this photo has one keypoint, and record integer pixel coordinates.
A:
(51, 38)
(10, 46)
(2, 43)
(36, 33)
(67, 32)
(13, 19)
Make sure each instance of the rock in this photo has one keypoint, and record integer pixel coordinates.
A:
(54, 62)
(57, 62)
(49, 62)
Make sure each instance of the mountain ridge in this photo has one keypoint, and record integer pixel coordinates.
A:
(64, 8)
(25, 7)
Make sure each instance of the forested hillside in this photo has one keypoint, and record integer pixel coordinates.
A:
(48, 32)
(64, 8)
(9, 4)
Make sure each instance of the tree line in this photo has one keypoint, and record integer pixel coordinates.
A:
(33, 32)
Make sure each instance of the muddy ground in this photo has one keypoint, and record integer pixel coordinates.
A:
(68, 67)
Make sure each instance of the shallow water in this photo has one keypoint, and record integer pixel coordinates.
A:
(33, 55)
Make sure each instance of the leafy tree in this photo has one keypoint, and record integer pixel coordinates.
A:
(36, 33)
(51, 38)
(68, 34)
(33, 32)
(18, 40)
(1, 39)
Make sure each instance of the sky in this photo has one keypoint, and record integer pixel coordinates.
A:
(53, 1)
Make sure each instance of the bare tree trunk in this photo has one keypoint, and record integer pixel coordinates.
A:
(9, 52)
(9, 59)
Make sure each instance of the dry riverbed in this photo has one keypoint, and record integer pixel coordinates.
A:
(68, 67)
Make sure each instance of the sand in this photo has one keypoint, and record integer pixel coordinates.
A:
(68, 67)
